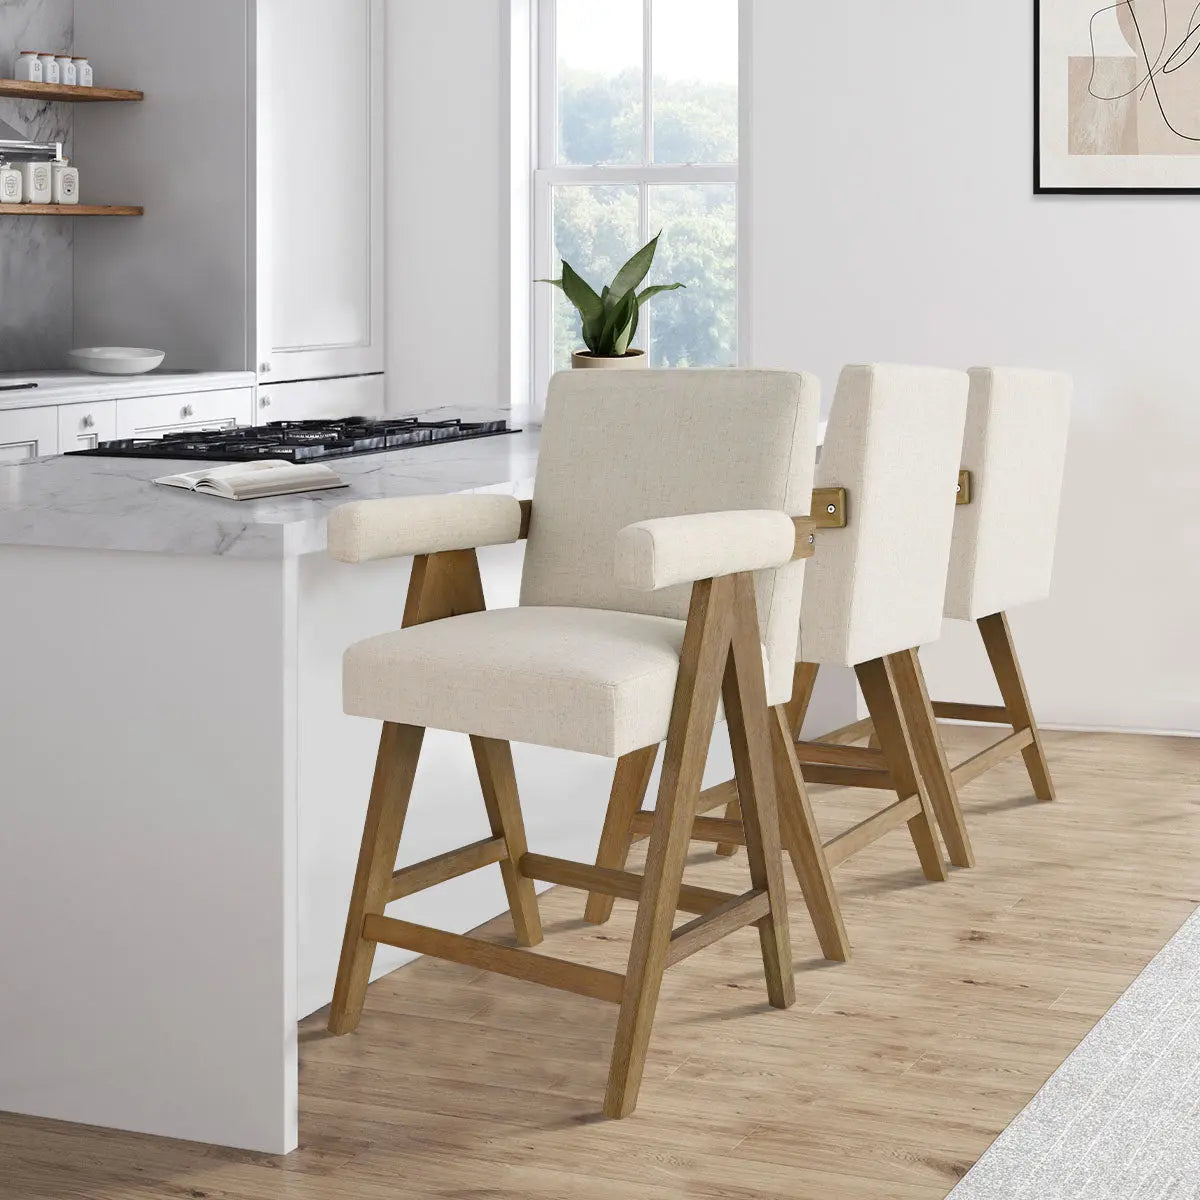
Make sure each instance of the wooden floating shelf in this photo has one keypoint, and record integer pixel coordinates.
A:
(20, 89)
(72, 210)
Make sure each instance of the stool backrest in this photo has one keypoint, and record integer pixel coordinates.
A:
(625, 446)
(1015, 448)
(893, 441)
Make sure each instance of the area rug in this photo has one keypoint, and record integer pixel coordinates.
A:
(1120, 1119)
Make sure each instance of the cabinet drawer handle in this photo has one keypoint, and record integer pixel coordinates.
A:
(186, 411)
(87, 422)
(264, 402)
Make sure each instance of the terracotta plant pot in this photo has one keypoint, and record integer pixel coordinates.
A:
(585, 359)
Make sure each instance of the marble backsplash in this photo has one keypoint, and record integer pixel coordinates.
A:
(35, 252)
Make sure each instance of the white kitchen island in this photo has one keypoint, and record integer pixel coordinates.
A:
(181, 797)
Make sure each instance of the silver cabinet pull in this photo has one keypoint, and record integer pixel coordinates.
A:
(264, 402)
(87, 422)
(186, 411)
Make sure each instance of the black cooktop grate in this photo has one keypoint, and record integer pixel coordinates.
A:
(300, 441)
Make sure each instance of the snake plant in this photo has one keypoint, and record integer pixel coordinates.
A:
(610, 318)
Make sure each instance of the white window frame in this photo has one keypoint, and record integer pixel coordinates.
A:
(547, 174)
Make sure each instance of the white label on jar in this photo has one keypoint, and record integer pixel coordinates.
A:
(12, 187)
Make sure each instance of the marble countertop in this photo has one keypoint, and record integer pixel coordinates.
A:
(110, 504)
(80, 387)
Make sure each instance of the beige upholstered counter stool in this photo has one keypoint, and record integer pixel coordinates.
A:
(662, 573)
(1002, 556)
(873, 592)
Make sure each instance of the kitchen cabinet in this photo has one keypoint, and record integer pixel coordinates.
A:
(28, 433)
(357, 396)
(262, 247)
(320, 177)
(152, 416)
(83, 426)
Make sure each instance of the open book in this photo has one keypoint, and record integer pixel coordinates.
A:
(256, 480)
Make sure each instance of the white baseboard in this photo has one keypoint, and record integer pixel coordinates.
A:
(1056, 728)
(1183, 733)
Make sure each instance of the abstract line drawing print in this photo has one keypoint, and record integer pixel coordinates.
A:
(1138, 90)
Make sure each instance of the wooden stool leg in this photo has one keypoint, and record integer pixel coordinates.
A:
(803, 842)
(804, 679)
(701, 668)
(733, 812)
(879, 690)
(630, 781)
(493, 762)
(750, 740)
(931, 755)
(998, 642)
(395, 767)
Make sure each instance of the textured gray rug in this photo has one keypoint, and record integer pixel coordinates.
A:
(1120, 1119)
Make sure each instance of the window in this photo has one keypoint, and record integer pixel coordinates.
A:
(638, 132)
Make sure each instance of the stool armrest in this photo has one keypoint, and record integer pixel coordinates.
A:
(671, 550)
(366, 530)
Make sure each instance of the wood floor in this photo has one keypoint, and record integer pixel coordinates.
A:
(887, 1080)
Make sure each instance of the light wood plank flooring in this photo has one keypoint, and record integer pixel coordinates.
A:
(887, 1080)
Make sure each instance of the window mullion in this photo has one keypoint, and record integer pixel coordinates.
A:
(682, 173)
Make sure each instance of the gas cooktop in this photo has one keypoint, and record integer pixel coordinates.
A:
(301, 441)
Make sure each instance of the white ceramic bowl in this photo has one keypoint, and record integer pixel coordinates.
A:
(115, 360)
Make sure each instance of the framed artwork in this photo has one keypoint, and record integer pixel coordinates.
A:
(1117, 97)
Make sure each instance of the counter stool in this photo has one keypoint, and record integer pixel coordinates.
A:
(874, 591)
(659, 537)
(1002, 555)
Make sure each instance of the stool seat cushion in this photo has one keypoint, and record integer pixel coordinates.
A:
(591, 680)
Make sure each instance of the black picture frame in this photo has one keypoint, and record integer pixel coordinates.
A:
(1039, 189)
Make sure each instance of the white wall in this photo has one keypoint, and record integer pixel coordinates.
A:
(447, 232)
(892, 219)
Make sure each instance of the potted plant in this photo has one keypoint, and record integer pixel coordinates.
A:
(610, 319)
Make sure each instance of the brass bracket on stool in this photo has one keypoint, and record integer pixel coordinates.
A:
(963, 492)
(829, 507)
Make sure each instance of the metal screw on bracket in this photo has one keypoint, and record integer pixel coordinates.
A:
(831, 509)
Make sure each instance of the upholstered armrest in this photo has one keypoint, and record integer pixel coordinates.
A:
(371, 529)
(669, 550)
